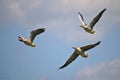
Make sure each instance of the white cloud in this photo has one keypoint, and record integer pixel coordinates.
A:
(18, 13)
(34, 10)
(102, 71)
(61, 15)
(11, 13)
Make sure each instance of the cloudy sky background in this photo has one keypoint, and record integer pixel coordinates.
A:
(60, 18)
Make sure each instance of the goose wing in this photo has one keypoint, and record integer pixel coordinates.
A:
(34, 33)
(96, 19)
(85, 48)
(81, 18)
(70, 59)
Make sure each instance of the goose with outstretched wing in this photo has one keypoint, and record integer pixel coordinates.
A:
(29, 41)
(79, 51)
(89, 27)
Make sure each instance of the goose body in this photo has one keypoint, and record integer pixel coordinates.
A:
(29, 41)
(79, 51)
(89, 27)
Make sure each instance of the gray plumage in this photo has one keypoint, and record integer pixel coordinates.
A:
(89, 27)
(29, 41)
(79, 51)
(34, 33)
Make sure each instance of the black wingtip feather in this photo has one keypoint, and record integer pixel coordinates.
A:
(42, 29)
(98, 42)
(103, 10)
(61, 67)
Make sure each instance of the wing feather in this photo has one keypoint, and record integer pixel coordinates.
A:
(81, 18)
(70, 60)
(96, 19)
(85, 48)
(34, 33)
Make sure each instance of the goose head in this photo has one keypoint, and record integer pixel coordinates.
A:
(20, 38)
(77, 49)
(74, 47)
(82, 26)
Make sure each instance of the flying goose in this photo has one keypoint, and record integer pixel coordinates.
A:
(29, 41)
(79, 51)
(89, 28)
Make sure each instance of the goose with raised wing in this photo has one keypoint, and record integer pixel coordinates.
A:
(79, 51)
(29, 41)
(89, 27)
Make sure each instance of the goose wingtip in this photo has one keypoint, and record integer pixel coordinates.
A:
(98, 42)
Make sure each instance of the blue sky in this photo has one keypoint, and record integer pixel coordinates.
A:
(54, 46)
